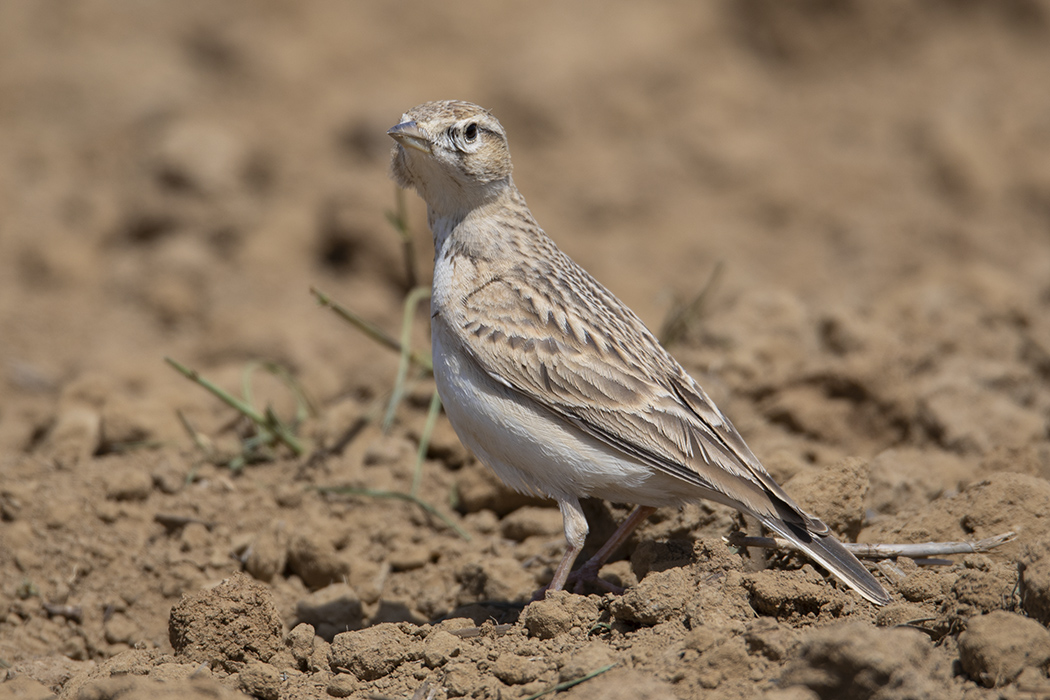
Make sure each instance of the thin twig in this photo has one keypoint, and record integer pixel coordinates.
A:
(398, 495)
(921, 550)
(174, 522)
(568, 684)
(495, 630)
(370, 329)
(74, 613)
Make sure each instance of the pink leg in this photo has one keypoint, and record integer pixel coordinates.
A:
(589, 571)
(575, 533)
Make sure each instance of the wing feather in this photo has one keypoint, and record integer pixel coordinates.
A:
(554, 318)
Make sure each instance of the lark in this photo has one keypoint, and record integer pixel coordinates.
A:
(551, 380)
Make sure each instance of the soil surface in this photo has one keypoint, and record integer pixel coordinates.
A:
(865, 185)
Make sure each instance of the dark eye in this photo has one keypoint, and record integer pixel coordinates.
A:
(470, 132)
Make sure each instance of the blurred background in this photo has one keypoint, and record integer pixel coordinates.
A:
(174, 176)
(870, 179)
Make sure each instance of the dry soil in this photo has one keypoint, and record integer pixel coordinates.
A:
(871, 180)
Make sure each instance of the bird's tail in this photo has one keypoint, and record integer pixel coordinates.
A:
(829, 553)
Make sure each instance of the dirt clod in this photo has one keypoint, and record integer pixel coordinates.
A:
(659, 596)
(315, 560)
(25, 688)
(997, 647)
(517, 670)
(342, 685)
(584, 661)
(300, 642)
(129, 483)
(793, 594)
(374, 652)
(261, 680)
(230, 624)
(558, 613)
(268, 553)
(837, 494)
(1034, 565)
(439, 647)
(333, 609)
(853, 660)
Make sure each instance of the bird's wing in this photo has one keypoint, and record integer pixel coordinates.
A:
(564, 341)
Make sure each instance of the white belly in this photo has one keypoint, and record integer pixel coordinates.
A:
(530, 448)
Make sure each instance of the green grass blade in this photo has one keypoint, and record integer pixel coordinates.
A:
(370, 329)
(411, 302)
(424, 441)
(265, 422)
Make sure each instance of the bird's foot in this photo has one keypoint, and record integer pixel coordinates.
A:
(578, 581)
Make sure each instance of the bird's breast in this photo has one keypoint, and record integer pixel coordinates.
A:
(530, 447)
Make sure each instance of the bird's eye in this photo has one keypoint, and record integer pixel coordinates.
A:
(470, 132)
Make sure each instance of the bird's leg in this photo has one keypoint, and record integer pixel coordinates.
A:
(576, 529)
(589, 571)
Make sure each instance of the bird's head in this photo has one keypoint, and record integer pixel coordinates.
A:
(453, 153)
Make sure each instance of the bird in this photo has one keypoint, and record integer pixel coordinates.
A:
(552, 381)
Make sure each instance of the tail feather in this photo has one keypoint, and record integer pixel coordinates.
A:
(829, 553)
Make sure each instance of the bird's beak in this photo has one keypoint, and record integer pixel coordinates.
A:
(409, 134)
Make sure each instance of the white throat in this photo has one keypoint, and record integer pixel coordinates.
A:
(441, 226)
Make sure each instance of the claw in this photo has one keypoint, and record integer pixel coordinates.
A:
(577, 583)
